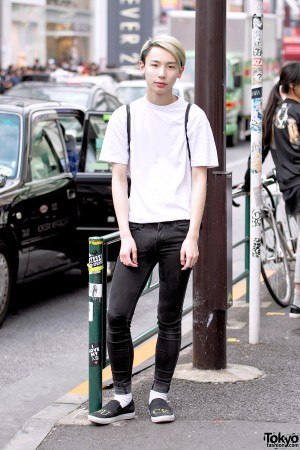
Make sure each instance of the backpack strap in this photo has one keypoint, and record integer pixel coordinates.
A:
(128, 126)
(185, 126)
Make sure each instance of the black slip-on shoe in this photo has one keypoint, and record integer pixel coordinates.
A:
(112, 412)
(294, 312)
(160, 411)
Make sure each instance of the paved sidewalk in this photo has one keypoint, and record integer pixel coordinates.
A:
(254, 414)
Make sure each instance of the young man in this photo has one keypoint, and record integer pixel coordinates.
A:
(159, 223)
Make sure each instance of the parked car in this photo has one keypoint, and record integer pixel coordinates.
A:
(130, 90)
(89, 95)
(122, 74)
(46, 213)
(106, 82)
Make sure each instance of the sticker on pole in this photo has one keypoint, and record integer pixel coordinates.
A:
(94, 354)
(95, 290)
(91, 311)
(95, 264)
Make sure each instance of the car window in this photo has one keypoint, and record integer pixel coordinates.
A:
(10, 131)
(99, 101)
(73, 127)
(73, 133)
(97, 128)
(187, 96)
(103, 101)
(47, 152)
(112, 103)
(127, 94)
(68, 93)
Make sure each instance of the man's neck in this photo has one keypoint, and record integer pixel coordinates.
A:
(161, 100)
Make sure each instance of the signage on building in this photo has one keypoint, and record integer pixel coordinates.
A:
(130, 24)
(169, 4)
(291, 44)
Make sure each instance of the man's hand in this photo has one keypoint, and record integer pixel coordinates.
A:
(189, 253)
(128, 252)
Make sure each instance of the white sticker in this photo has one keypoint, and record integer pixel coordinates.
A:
(95, 290)
(257, 196)
(91, 310)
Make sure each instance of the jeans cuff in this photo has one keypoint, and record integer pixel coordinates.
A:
(161, 386)
(122, 388)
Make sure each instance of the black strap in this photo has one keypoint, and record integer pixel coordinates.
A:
(186, 119)
(128, 127)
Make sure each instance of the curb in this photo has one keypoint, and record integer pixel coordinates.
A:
(35, 430)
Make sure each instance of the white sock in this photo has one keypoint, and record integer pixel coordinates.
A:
(154, 394)
(296, 298)
(123, 399)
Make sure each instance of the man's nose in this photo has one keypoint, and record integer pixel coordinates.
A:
(162, 72)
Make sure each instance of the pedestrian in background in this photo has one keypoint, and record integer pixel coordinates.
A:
(281, 125)
(158, 224)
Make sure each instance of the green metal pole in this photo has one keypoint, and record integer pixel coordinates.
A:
(95, 267)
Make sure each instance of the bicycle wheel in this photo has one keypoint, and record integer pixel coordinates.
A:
(268, 208)
(274, 263)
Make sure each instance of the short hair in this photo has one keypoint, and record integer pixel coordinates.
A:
(168, 43)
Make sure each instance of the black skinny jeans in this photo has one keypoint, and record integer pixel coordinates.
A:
(156, 243)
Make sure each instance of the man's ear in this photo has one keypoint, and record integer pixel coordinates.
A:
(142, 66)
(181, 72)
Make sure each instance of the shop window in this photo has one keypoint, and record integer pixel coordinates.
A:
(80, 4)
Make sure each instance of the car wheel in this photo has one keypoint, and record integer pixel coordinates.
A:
(6, 281)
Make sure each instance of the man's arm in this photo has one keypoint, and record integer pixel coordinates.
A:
(128, 251)
(189, 251)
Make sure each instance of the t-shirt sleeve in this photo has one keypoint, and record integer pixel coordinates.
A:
(115, 143)
(201, 139)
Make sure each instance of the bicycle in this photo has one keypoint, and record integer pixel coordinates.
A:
(278, 242)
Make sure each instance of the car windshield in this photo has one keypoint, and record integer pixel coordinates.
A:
(96, 132)
(130, 93)
(9, 144)
(69, 94)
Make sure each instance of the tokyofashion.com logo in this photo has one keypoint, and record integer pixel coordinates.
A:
(280, 440)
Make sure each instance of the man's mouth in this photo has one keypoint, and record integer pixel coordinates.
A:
(160, 84)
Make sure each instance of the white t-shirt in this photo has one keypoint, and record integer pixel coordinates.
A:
(159, 164)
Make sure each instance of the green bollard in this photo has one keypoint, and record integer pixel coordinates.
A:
(95, 267)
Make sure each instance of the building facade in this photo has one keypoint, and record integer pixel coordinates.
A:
(62, 30)
(77, 31)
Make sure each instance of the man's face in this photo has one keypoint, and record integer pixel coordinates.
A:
(161, 70)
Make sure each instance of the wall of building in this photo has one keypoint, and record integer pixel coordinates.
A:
(47, 29)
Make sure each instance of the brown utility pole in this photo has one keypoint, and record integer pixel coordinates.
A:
(212, 275)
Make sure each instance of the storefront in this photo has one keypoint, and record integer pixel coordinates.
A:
(46, 29)
(68, 31)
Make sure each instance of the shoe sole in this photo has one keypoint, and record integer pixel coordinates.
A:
(111, 419)
(294, 315)
(161, 419)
